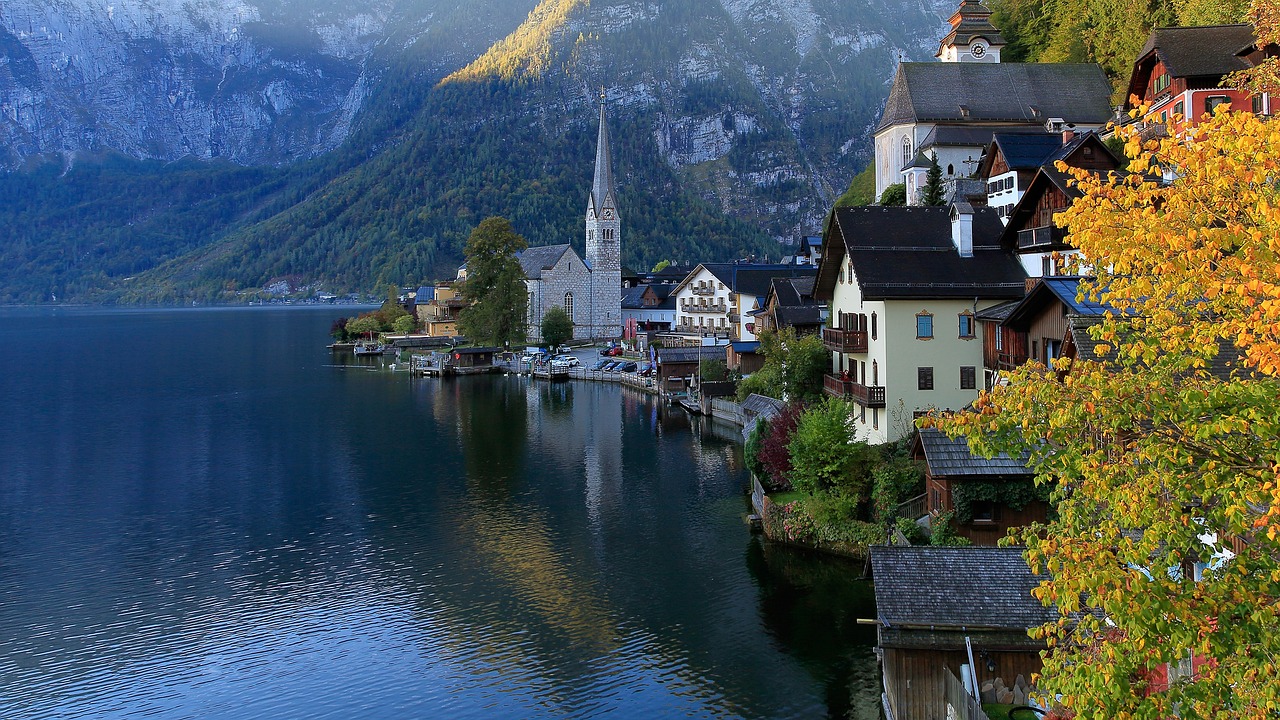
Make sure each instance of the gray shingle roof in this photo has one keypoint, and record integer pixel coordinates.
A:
(997, 92)
(536, 259)
(1059, 289)
(1200, 51)
(754, 278)
(974, 587)
(761, 406)
(951, 457)
(690, 354)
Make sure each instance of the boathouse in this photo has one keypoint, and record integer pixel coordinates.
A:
(948, 614)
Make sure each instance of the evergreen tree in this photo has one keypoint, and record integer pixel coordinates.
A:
(495, 285)
(933, 193)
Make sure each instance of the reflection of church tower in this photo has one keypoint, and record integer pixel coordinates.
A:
(603, 240)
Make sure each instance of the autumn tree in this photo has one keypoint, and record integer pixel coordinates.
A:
(1162, 447)
(495, 285)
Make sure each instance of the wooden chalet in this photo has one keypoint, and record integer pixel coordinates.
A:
(1180, 70)
(1003, 349)
(1030, 230)
(1042, 317)
(934, 604)
(951, 468)
(678, 366)
(790, 303)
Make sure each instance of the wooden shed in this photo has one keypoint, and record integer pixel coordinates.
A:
(930, 601)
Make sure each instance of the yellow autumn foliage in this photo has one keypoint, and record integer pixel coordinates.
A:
(1164, 454)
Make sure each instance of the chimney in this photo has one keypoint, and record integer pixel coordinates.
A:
(962, 228)
(1068, 135)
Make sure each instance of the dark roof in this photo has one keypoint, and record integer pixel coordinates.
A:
(1058, 290)
(951, 457)
(632, 298)
(1229, 362)
(754, 279)
(1200, 51)
(536, 259)
(997, 92)
(1048, 177)
(761, 406)
(690, 354)
(997, 312)
(629, 274)
(976, 135)
(670, 274)
(745, 346)
(477, 350)
(1026, 151)
(906, 252)
(974, 587)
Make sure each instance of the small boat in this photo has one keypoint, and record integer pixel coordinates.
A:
(368, 347)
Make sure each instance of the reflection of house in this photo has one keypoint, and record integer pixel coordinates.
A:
(904, 285)
(1180, 71)
(968, 96)
(987, 496)
(437, 308)
(930, 601)
(1030, 230)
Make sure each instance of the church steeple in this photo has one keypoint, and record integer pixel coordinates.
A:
(602, 190)
(603, 227)
(972, 38)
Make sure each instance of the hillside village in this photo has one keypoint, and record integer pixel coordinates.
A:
(918, 307)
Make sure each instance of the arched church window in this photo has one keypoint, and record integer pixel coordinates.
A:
(906, 151)
(951, 169)
(568, 304)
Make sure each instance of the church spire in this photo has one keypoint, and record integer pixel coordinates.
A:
(602, 189)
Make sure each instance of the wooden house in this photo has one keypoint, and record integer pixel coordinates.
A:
(952, 612)
(986, 496)
(678, 366)
(1030, 230)
(790, 303)
(1180, 70)
(1042, 317)
(1003, 349)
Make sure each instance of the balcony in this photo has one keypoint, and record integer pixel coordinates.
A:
(702, 290)
(844, 341)
(695, 308)
(871, 396)
(1043, 237)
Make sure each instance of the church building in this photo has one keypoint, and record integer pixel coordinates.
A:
(950, 108)
(589, 289)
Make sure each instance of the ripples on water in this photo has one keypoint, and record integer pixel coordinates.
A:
(204, 521)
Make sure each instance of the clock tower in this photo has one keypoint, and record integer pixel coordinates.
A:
(603, 242)
(972, 38)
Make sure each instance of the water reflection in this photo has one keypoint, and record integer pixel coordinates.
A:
(260, 536)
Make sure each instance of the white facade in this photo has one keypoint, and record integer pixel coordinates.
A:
(703, 304)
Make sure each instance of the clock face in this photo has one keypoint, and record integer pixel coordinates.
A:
(978, 49)
(608, 214)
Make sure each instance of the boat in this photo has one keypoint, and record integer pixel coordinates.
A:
(368, 347)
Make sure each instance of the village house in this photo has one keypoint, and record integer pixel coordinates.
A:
(984, 497)
(790, 303)
(1010, 162)
(649, 308)
(436, 309)
(1180, 70)
(1031, 231)
(950, 109)
(905, 285)
(715, 300)
(951, 617)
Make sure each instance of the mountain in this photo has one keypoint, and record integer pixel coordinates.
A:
(165, 151)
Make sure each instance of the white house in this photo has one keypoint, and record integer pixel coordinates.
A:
(904, 285)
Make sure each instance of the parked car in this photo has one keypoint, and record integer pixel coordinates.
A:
(613, 366)
(629, 366)
(614, 351)
(570, 360)
(600, 364)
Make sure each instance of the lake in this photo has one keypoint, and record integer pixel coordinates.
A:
(206, 514)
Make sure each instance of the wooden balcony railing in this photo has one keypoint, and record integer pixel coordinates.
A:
(871, 396)
(834, 386)
(1039, 237)
(844, 341)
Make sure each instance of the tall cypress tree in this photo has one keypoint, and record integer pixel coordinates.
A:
(933, 193)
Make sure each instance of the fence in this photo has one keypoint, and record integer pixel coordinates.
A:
(913, 508)
(966, 706)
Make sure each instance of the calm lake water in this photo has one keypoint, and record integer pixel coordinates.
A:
(201, 517)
